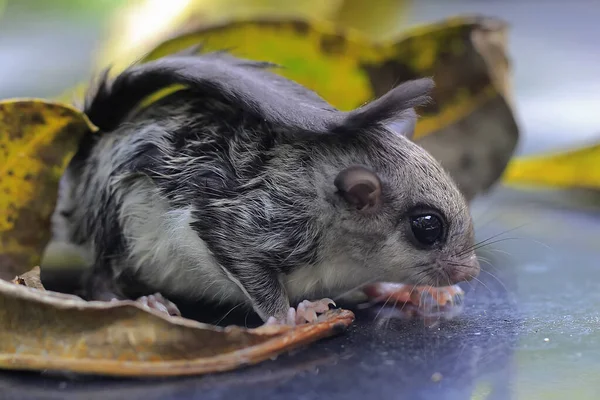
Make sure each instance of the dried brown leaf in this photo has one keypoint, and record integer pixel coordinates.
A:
(44, 330)
(30, 279)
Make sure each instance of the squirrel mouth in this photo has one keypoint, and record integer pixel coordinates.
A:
(462, 269)
(448, 272)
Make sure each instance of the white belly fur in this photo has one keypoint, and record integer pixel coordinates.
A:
(167, 253)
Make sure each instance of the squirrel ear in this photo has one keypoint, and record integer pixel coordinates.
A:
(394, 110)
(360, 187)
(404, 125)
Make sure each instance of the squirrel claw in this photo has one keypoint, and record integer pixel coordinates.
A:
(158, 302)
(306, 312)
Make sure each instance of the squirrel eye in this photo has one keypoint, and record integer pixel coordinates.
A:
(427, 228)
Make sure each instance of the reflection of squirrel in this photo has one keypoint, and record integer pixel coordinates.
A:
(247, 187)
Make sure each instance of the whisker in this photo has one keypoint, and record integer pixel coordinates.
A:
(482, 245)
(483, 284)
(500, 251)
(383, 306)
(487, 262)
(419, 281)
(228, 312)
(489, 221)
(474, 277)
(474, 246)
(482, 258)
(460, 210)
(246, 319)
(387, 324)
(470, 285)
(547, 247)
(437, 304)
(487, 211)
(497, 279)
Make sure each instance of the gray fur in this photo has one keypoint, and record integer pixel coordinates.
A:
(225, 192)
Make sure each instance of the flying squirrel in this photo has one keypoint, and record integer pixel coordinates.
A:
(246, 187)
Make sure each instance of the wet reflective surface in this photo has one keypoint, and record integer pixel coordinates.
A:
(530, 329)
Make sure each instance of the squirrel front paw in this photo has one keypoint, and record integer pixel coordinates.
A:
(306, 312)
(158, 302)
(424, 299)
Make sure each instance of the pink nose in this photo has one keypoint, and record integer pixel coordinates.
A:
(468, 269)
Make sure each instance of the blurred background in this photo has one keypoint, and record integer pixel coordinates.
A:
(48, 46)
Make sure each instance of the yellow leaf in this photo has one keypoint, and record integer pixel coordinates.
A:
(37, 139)
(576, 168)
(378, 20)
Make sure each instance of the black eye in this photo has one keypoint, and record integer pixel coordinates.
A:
(427, 228)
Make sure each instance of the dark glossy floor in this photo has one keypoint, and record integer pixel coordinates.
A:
(530, 329)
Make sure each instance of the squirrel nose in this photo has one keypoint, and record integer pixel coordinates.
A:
(464, 270)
